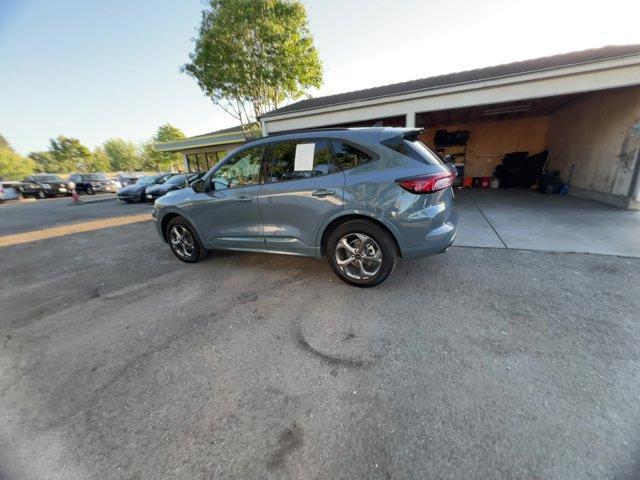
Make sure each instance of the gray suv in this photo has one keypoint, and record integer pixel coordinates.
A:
(359, 196)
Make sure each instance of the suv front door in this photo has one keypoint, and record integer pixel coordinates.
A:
(303, 187)
(227, 213)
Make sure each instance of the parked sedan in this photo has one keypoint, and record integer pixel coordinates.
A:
(137, 191)
(44, 185)
(9, 191)
(93, 182)
(174, 183)
(130, 178)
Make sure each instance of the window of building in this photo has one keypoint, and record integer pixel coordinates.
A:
(283, 161)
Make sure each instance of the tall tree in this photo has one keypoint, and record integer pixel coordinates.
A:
(99, 161)
(13, 166)
(123, 154)
(68, 154)
(252, 55)
(155, 160)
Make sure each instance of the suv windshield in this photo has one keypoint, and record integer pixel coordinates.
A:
(48, 178)
(147, 180)
(96, 176)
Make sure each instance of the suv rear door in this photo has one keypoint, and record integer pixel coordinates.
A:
(303, 187)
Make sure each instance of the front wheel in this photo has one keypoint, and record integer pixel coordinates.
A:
(361, 253)
(41, 194)
(184, 241)
(90, 190)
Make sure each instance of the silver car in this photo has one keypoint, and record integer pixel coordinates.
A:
(361, 197)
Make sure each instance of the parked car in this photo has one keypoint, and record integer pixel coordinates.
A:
(44, 185)
(90, 183)
(137, 191)
(174, 183)
(127, 179)
(9, 190)
(360, 197)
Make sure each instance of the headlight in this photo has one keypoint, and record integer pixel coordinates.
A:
(46, 185)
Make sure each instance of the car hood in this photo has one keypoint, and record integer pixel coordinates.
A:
(159, 188)
(177, 198)
(133, 189)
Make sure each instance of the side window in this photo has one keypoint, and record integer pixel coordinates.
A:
(242, 170)
(349, 156)
(298, 160)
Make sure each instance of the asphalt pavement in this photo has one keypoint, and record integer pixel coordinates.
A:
(34, 214)
(119, 361)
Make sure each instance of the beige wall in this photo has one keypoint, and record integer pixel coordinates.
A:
(594, 134)
(490, 140)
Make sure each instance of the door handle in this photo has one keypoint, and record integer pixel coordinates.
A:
(323, 192)
(243, 198)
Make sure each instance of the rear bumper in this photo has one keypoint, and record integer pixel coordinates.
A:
(436, 240)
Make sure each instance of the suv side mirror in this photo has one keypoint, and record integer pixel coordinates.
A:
(199, 186)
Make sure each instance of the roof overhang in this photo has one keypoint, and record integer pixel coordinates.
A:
(584, 77)
(221, 139)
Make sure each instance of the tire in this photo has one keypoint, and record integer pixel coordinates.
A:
(189, 252)
(41, 194)
(89, 190)
(377, 261)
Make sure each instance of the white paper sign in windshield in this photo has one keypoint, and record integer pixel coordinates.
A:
(304, 157)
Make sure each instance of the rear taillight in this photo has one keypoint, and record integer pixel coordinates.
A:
(427, 183)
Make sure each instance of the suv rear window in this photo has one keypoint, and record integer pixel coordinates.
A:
(283, 165)
(349, 156)
(414, 149)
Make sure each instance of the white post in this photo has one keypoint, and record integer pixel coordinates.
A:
(264, 128)
(410, 122)
(186, 163)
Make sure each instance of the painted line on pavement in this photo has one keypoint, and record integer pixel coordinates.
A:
(90, 226)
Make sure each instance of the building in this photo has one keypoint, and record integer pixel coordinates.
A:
(203, 151)
(581, 107)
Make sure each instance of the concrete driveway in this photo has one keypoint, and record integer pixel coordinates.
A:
(118, 361)
(525, 220)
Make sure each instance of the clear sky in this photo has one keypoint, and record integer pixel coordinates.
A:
(99, 69)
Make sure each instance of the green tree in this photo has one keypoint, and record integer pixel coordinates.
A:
(252, 55)
(123, 155)
(65, 154)
(155, 160)
(13, 166)
(99, 161)
(44, 162)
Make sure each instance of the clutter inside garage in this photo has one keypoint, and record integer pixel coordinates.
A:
(584, 142)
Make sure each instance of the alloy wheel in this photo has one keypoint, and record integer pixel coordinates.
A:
(182, 241)
(358, 256)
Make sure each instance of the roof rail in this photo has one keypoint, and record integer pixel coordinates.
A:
(306, 130)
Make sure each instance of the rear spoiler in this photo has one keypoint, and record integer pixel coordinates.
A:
(409, 134)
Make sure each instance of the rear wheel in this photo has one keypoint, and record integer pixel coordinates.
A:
(41, 194)
(361, 253)
(184, 241)
(90, 190)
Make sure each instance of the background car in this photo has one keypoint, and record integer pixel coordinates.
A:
(44, 185)
(174, 183)
(137, 191)
(9, 191)
(90, 183)
(127, 179)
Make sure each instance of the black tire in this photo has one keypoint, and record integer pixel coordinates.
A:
(89, 190)
(41, 194)
(197, 252)
(382, 243)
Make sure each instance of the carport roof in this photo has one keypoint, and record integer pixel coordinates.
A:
(225, 136)
(439, 81)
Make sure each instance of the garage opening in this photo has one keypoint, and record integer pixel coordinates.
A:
(591, 139)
